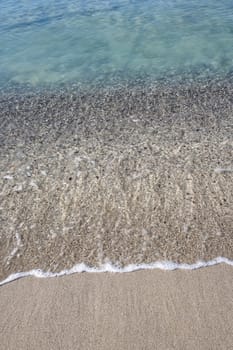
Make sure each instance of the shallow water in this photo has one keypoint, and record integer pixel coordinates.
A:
(54, 42)
(116, 135)
(136, 175)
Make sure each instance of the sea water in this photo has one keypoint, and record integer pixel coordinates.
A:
(62, 41)
(115, 135)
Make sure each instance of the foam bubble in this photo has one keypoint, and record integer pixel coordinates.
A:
(108, 267)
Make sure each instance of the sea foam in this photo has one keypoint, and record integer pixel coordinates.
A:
(108, 267)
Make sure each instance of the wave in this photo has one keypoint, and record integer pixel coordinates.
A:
(108, 267)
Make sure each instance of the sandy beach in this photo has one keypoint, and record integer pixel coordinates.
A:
(116, 175)
(127, 175)
(141, 310)
(135, 175)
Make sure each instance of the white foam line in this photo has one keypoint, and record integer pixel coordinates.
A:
(108, 267)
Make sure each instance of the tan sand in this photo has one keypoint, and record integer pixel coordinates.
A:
(141, 310)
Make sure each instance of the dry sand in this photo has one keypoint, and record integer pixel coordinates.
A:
(142, 310)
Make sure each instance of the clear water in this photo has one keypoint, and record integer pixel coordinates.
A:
(62, 41)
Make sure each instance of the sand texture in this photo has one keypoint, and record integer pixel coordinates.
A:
(144, 310)
(135, 174)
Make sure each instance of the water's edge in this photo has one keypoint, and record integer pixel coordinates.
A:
(108, 267)
(90, 179)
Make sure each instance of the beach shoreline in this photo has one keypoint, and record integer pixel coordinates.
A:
(110, 268)
(132, 175)
(116, 175)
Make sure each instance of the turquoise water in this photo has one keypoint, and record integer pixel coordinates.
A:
(59, 41)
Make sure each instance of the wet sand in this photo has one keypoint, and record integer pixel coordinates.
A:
(141, 310)
(134, 174)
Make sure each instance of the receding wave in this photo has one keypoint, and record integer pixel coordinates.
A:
(116, 179)
(108, 267)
